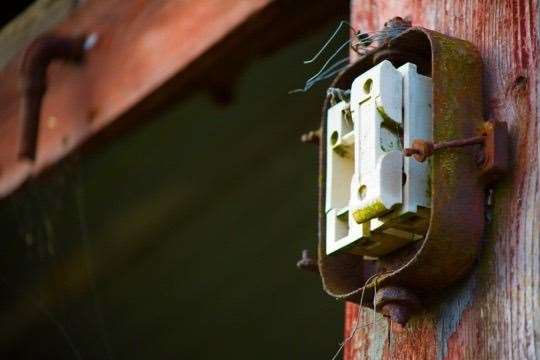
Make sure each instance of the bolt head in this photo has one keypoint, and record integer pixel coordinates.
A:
(396, 303)
(423, 149)
(307, 263)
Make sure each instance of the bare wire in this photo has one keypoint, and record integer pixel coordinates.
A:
(374, 300)
(360, 43)
(329, 73)
(342, 95)
(378, 37)
(335, 67)
(326, 72)
(321, 50)
(357, 326)
(346, 43)
(332, 70)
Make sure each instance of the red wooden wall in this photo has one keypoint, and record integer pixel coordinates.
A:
(494, 312)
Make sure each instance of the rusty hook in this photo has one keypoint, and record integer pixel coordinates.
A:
(33, 76)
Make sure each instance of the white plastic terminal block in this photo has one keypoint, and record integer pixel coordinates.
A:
(377, 200)
(376, 106)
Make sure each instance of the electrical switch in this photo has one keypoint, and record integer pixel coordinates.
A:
(377, 200)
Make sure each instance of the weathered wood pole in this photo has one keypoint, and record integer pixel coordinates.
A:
(494, 312)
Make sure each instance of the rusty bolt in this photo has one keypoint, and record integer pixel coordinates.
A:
(311, 137)
(493, 160)
(307, 263)
(422, 149)
(396, 303)
(459, 143)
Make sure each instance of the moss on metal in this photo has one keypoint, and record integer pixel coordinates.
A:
(375, 209)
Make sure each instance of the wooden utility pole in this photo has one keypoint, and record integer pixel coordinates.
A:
(494, 312)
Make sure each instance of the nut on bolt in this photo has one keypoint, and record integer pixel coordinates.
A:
(396, 303)
(420, 150)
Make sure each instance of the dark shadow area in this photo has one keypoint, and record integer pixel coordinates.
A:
(11, 9)
(178, 240)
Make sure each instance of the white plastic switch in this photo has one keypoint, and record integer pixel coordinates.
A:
(377, 200)
(376, 106)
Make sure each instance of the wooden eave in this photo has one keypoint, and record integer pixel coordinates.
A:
(149, 53)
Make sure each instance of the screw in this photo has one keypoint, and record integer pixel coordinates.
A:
(311, 137)
(307, 263)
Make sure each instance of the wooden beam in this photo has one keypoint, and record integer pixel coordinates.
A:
(494, 312)
(147, 53)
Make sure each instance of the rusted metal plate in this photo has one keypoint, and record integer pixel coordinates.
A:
(495, 161)
(457, 209)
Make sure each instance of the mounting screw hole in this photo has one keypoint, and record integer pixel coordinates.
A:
(367, 86)
(362, 191)
(334, 138)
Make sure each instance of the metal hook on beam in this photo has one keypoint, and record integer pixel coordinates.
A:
(33, 75)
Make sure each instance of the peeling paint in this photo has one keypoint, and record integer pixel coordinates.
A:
(450, 311)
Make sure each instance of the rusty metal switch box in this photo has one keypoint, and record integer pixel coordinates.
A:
(405, 161)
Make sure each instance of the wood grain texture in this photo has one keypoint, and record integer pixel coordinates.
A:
(494, 312)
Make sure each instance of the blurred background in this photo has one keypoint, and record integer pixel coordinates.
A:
(178, 240)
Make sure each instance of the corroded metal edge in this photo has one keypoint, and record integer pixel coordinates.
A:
(457, 218)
